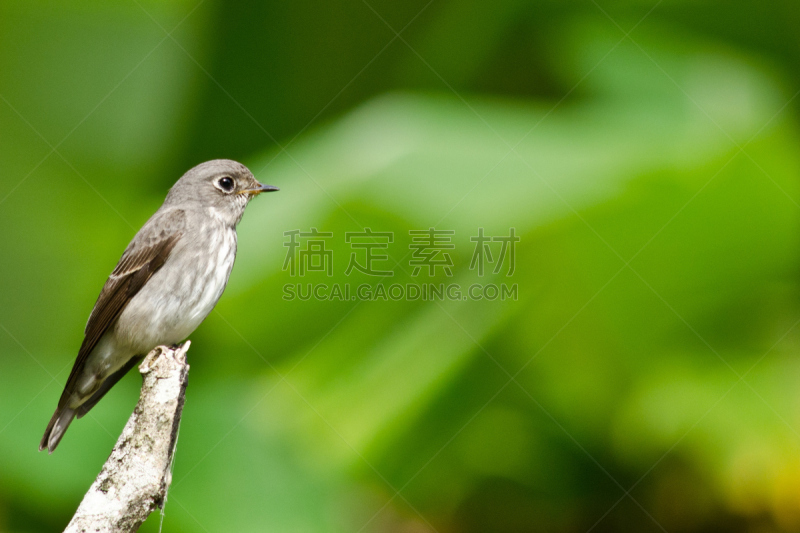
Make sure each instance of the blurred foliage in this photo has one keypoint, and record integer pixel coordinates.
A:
(646, 378)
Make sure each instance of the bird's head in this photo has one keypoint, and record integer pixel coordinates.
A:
(221, 187)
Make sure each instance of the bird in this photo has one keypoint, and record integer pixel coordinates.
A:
(167, 281)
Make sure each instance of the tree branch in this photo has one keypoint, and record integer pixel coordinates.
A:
(135, 478)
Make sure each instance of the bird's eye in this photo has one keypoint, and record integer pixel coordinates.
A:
(226, 184)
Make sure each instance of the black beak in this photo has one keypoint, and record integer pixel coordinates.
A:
(258, 190)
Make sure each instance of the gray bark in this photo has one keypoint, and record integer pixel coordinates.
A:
(135, 478)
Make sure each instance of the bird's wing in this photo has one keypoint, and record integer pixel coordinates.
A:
(147, 252)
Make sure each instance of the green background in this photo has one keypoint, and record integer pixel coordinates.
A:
(646, 153)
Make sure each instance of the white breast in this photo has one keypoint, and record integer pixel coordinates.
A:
(216, 273)
(181, 294)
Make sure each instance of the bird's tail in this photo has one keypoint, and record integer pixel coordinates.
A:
(58, 425)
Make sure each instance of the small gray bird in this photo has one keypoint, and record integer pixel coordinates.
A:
(168, 280)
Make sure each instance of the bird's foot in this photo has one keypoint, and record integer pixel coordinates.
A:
(177, 352)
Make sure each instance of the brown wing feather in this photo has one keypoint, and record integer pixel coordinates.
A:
(147, 253)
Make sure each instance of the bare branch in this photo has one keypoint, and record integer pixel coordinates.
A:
(135, 478)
